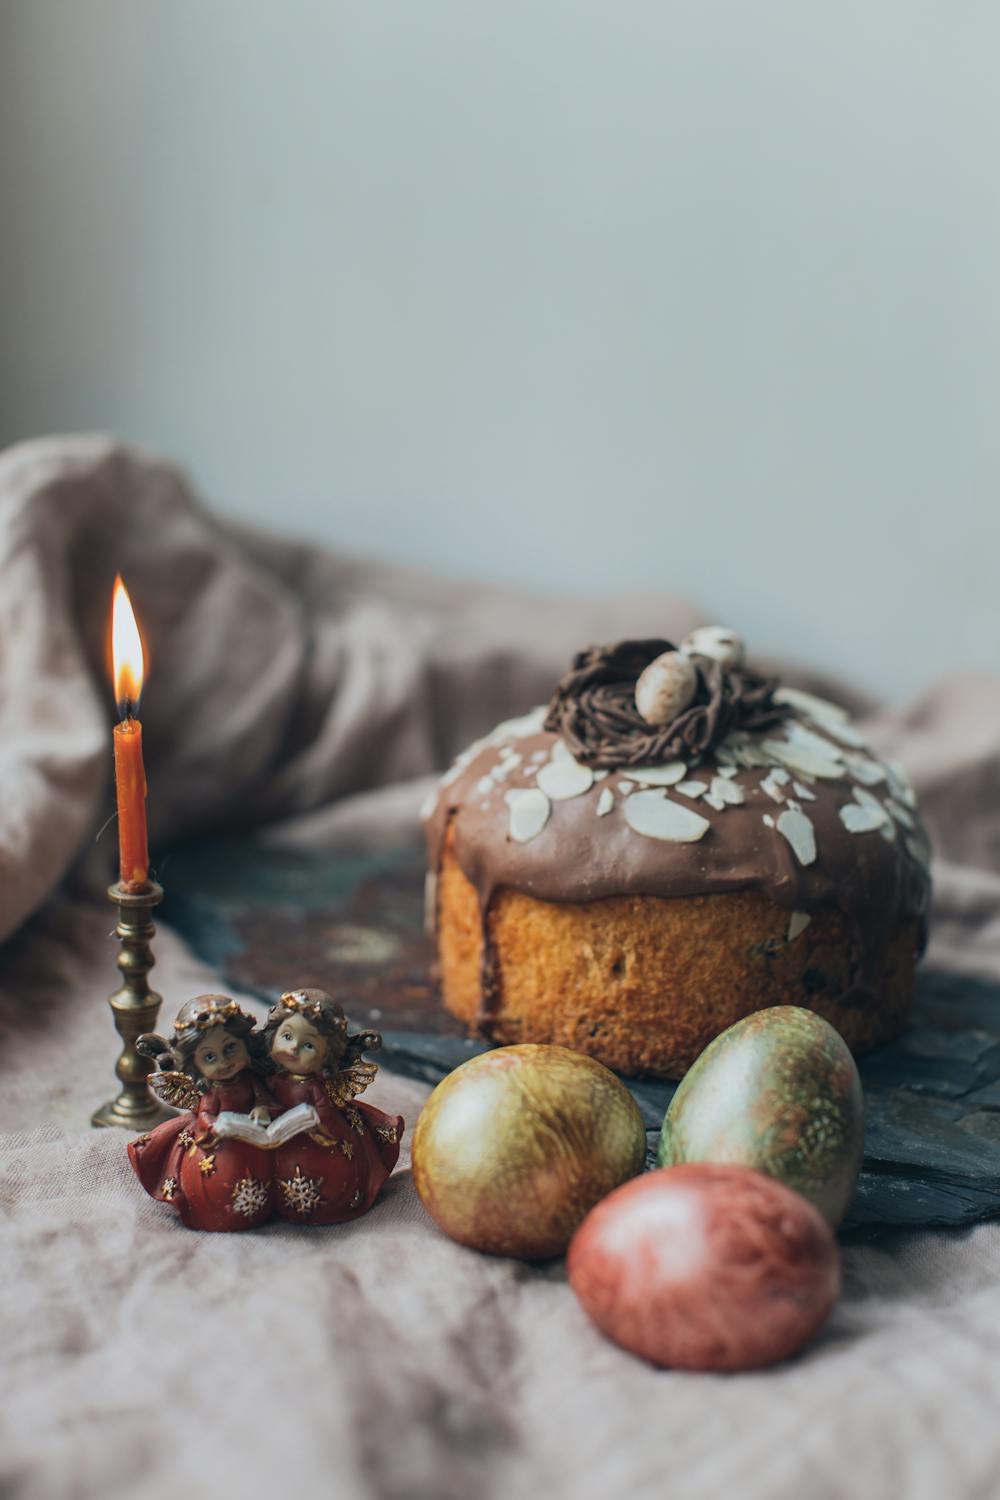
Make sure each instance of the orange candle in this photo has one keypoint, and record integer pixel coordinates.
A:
(130, 774)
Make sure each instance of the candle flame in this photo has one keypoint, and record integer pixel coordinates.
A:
(126, 652)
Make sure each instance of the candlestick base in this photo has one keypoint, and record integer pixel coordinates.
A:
(117, 1112)
(135, 1007)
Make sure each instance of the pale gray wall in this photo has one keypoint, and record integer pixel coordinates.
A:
(704, 295)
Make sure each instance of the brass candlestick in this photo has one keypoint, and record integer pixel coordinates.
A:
(135, 1008)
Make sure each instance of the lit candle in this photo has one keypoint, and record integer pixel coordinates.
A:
(130, 775)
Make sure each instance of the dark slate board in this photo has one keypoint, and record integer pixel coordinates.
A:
(352, 922)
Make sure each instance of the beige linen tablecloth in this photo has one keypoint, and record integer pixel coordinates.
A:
(140, 1359)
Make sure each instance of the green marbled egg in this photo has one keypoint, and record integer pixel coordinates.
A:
(778, 1091)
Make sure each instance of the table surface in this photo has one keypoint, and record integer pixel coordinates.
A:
(352, 922)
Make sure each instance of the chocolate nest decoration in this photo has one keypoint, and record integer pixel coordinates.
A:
(593, 707)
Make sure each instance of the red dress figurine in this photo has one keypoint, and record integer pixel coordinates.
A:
(216, 1057)
(335, 1172)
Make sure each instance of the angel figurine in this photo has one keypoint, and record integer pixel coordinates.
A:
(213, 1063)
(333, 1173)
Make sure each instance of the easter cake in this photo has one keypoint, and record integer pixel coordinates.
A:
(673, 843)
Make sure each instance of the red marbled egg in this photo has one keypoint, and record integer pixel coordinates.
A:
(706, 1267)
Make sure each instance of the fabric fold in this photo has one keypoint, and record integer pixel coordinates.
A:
(280, 677)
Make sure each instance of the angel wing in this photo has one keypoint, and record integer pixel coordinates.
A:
(350, 1082)
(174, 1088)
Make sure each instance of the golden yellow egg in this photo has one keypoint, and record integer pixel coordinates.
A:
(516, 1146)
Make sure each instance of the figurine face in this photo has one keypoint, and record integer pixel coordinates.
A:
(219, 1056)
(298, 1046)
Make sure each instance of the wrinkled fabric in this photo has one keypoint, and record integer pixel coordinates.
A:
(311, 696)
(279, 677)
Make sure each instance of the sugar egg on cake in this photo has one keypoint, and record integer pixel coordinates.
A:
(672, 843)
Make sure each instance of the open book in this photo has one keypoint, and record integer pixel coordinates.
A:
(231, 1126)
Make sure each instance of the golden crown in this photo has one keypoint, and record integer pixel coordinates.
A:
(313, 1009)
(215, 1013)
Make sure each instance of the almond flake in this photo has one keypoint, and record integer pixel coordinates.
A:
(900, 813)
(829, 717)
(605, 802)
(691, 788)
(804, 792)
(900, 783)
(865, 799)
(885, 824)
(766, 818)
(845, 732)
(668, 775)
(771, 789)
(529, 813)
(740, 749)
(715, 802)
(729, 771)
(810, 704)
(797, 922)
(863, 768)
(625, 787)
(562, 779)
(508, 764)
(800, 758)
(797, 828)
(918, 846)
(858, 819)
(798, 734)
(727, 791)
(654, 815)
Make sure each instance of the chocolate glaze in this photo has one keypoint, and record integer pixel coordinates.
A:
(579, 856)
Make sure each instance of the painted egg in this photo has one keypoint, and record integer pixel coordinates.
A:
(718, 642)
(514, 1147)
(706, 1268)
(778, 1091)
(666, 687)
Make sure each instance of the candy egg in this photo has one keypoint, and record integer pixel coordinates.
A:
(706, 1268)
(514, 1147)
(717, 641)
(666, 687)
(778, 1091)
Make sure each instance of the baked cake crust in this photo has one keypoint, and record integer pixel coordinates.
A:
(634, 912)
(644, 983)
